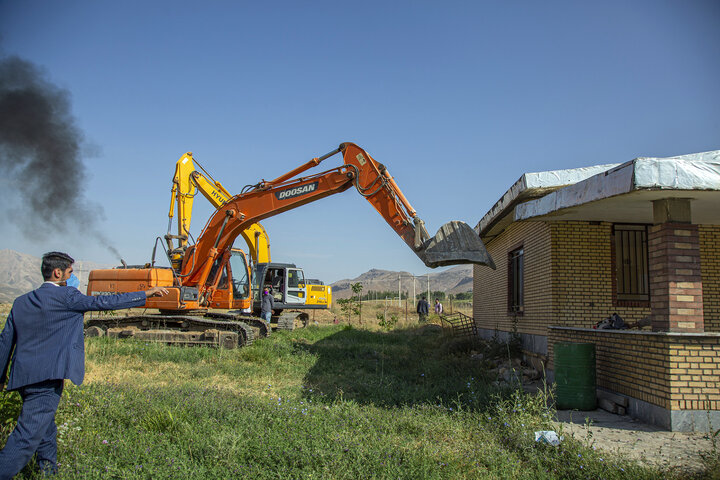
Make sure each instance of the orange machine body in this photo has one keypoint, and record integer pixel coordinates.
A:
(227, 293)
(123, 280)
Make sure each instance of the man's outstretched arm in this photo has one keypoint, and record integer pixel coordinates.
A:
(84, 303)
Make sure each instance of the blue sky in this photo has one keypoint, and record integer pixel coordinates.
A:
(457, 99)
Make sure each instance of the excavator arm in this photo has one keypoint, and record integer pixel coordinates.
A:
(187, 182)
(455, 242)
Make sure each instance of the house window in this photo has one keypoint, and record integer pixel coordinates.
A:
(631, 263)
(515, 280)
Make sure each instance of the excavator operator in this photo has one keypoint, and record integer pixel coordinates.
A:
(277, 285)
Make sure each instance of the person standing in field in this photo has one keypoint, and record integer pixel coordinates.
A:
(438, 307)
(423, 307)
(266, 306)
(43, 338)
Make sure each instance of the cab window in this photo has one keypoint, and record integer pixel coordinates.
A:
(295, 278)
(238, 270)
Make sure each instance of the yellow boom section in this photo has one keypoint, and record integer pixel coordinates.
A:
(187, 181)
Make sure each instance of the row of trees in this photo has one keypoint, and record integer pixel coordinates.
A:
(442, 296)
(393, 295)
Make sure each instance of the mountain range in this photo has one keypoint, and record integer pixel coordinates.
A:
(20, 273)
(453, 280)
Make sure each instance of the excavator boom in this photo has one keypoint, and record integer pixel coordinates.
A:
(455, 242)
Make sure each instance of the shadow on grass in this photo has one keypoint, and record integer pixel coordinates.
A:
(420, 365)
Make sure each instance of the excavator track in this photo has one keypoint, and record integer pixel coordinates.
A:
(261, 328)
(291, 319)
(216, 330)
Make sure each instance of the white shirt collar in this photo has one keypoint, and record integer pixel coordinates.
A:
(51, 283)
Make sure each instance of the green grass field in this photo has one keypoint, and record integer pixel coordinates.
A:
(322, 402)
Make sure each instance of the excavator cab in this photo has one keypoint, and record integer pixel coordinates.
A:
(233, 286)
(285, 281)
(239, 271)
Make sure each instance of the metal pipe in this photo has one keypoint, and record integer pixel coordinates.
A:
(399, 295)
(398, 192)
(293, 173)
(152, 260)
(228, 214)
(330, 154)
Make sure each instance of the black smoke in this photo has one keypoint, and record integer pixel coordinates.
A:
(41, 157)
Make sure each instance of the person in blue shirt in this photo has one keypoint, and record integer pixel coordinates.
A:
(43, 339)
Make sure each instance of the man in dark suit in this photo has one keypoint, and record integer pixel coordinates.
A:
(423, 307)
(45, 332)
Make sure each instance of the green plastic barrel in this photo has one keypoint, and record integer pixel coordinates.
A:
(575, 376)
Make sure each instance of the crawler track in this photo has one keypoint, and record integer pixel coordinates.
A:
(292, 319)
(258, 324)
(216, 330)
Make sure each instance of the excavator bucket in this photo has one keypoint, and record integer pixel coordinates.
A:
(455, 243)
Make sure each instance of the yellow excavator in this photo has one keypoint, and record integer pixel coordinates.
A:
(190, 178)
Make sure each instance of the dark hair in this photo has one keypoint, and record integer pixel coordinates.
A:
(53, 260)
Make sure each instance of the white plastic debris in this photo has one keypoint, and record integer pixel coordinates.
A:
(548, 436)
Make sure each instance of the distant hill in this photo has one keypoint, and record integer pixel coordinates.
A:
(453, 280)
(20, 273)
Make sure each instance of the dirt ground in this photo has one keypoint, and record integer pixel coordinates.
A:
(646, 443)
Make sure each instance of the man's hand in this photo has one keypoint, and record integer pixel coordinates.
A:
(156, 292)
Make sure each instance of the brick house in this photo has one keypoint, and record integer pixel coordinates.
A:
(641, 239)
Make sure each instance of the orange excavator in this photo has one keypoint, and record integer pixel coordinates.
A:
(210, 274)
(295, 297)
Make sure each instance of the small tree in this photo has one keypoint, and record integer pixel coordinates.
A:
(357, 299)
(345, 307)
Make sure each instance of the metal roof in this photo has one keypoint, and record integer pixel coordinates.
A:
(614, 193)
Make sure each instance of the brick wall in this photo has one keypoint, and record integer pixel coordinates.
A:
(568, 277)
(490, 287)
(583, 270)
(629, 364)
(675, 278)
(710, 271)
(671, 370)
(695, 373)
